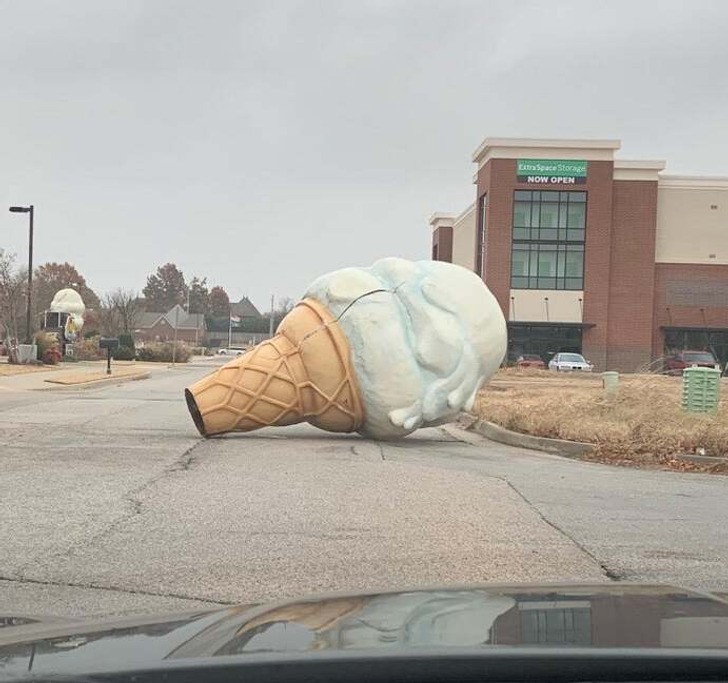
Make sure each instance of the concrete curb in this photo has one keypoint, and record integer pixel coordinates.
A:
(702, 459)
(494, 432)
(95, 383)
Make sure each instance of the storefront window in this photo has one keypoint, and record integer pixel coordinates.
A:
(544, 265)
(548, 240)
(544, 340)
(698, 339)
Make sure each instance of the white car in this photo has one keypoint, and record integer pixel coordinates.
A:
(230, 352)
(567, 362)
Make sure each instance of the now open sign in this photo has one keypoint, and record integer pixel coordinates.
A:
(551, 171)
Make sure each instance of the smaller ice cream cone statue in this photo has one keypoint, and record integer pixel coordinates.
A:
(304, 373)
(69, 301)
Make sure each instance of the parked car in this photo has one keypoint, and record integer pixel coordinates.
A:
(568, 362)
(677, 362)
(530, 360)
(230, 352)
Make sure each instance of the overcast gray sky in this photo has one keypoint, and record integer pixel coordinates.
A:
(263, 143)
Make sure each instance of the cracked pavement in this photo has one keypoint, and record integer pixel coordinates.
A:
(111, 503)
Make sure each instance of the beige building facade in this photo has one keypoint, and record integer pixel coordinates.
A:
(616, 258)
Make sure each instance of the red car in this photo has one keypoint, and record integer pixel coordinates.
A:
(677, 362)
(530, 361)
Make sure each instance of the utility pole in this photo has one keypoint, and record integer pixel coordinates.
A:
(230, 326)
(270, 322)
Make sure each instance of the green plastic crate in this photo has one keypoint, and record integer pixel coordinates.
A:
(701, 390)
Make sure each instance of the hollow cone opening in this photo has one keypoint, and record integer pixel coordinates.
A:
(195, 412)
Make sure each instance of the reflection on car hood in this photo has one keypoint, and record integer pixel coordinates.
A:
(601, 616)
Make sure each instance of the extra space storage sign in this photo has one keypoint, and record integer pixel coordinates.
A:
(551, 171)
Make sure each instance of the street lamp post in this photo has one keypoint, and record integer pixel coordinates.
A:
(29, 211)
(271, 323)
(174, 344)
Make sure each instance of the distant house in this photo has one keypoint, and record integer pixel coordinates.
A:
(244, 326)
(245, 310)
(190, 327)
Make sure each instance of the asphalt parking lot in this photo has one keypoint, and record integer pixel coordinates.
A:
(114, 504)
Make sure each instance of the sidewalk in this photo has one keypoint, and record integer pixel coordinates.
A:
(77, 374)
(74, 377)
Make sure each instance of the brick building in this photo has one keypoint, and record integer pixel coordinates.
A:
(609, 257)
(190, 327)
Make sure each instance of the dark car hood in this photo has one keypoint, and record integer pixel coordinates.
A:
(575, 616)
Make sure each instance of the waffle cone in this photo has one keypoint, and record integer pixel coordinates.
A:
(304, 373)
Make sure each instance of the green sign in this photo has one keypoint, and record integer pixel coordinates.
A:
(551, 171)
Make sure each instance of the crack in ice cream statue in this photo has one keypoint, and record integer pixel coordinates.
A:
(381, 351)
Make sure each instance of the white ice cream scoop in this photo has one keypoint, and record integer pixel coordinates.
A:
(424, 337)
(68, 301)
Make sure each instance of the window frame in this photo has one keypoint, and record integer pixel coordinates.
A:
(564, 236)
(481, 235)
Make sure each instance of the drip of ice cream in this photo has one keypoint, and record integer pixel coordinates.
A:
(424, 336)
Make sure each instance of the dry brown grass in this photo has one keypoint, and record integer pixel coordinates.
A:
(643, 424)
(70, 378)
(8, 370)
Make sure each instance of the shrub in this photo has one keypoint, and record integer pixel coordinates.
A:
(44, 341)
(125, 350)
(88, 349)
(49, 348)
(161, 352)
(123, 353)
(52, 356)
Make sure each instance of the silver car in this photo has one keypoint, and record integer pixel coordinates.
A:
(230, 352)
(566, 362)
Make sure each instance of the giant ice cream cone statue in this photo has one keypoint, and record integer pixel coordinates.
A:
(381, 351)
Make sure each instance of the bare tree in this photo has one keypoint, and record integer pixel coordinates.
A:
(284, 305)
(12, 298)
(120, 311)
(108, 317)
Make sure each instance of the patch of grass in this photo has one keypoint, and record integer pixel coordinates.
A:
(70, 378)
(8, 369)
(642, 424)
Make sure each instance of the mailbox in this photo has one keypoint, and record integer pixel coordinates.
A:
(108, 343)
